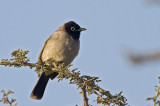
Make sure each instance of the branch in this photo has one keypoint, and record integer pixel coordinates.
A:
(141, 58)
(19, 59)
(154, 98)
(105, 97)
(30, 65)
(153, 1)
(86, 83)
(85, 99)
(5, 99)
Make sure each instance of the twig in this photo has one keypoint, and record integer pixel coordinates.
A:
(141, 58)
(5, 99)
(31, 65)
(98, 94)
(156, 96)
(85, 99)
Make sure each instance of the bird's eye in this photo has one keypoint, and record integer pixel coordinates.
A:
(73, 29)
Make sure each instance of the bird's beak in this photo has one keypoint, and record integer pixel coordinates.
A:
(82, 29)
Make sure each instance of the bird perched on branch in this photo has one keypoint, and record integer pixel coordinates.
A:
(62, 46)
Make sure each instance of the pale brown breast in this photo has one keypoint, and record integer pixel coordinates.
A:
(60, 47)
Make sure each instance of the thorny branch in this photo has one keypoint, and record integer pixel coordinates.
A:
(85, 99)
(105, 97)
(154, 98)
(155, 101)
(31, 65)
(5, 99)
(89, 83)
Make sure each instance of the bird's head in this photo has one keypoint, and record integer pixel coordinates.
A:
(73, 29)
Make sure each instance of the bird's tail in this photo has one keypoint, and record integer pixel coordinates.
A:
(39, 89)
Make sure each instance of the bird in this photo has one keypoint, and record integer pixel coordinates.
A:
(62, 46)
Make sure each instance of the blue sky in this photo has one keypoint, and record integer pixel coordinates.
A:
(113, 28)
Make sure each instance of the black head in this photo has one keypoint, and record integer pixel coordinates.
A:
(73, 29)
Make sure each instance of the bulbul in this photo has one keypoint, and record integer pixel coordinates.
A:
(62, 46)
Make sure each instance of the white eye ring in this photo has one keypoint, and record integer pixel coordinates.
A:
(73, 29)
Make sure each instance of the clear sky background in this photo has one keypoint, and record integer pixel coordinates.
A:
(113, 28)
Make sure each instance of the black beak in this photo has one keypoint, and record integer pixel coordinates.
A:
(81, 29)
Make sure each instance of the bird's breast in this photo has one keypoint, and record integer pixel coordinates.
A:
(61, 48)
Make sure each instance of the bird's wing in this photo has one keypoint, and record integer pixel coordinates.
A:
(40, 55)
(51, 74)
